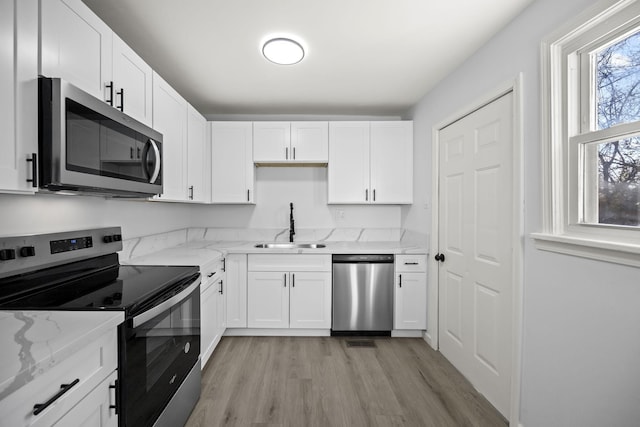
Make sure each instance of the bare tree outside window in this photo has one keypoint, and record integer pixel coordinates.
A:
(618, 101)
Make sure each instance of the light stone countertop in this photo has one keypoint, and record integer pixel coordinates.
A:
(32, 342)
(204, 252)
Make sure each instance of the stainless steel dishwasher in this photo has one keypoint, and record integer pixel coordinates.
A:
(362, 295)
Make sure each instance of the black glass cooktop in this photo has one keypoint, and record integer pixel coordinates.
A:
(95, 284)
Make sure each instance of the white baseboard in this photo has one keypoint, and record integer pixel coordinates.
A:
(403, 333)
(427, 337)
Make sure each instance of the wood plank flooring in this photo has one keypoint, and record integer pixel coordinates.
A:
(321, 381)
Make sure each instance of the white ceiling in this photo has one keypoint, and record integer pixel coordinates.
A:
(365, 57)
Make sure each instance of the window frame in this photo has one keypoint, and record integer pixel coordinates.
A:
(567, 129)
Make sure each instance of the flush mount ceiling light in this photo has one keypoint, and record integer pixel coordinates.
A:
(283, 51)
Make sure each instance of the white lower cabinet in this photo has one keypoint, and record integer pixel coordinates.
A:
(95, 409)
(289, 291)
(236, 290)
(212, 309)
(410, 311)
(86, 374)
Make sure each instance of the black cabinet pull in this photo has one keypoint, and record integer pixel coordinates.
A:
(138, 152)
(121, 93)
(366, 195)
(221, 288)
(211, 274)
(191, 192)
(34, 170)
(110, 87)
(294, 153)
(410, 263)
(39, 407)
(248, 196)
(374, 194)
(116, 398)
(293, 280)
(131, 153)
(224, 264)
(400, 283)
(286, 153)
(285, 280)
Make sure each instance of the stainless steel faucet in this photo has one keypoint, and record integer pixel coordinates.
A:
(292, 230)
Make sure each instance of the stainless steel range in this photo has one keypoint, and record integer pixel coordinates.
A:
(159, 342)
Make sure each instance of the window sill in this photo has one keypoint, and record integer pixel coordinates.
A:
(601, 250)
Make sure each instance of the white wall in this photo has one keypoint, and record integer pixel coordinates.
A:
(306, 187)
(581, 318)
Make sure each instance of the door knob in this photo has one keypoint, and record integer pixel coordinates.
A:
(439, 257)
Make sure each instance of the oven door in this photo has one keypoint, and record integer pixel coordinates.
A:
(159, 347)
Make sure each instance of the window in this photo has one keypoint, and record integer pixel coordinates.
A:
(591, 125)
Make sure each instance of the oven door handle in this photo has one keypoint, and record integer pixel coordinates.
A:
(164, 305)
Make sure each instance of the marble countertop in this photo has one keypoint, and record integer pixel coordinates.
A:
(204, 252)
(32, 342)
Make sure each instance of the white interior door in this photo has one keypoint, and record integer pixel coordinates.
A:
(475, 237)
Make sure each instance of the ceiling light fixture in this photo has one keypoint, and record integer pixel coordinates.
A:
(283, 51)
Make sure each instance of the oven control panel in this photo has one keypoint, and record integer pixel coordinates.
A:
(27, 253)
(66, 245)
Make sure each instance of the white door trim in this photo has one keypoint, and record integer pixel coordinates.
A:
(514, 86)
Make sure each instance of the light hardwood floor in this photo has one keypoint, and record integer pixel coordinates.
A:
(291, 381)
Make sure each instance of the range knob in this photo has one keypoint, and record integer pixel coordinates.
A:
(27, 251)
(7, 254)
(117, 237)
(107, 239)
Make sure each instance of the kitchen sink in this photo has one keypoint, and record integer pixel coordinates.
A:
(290, 245)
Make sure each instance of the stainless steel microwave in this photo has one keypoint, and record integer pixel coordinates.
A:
(85, 145)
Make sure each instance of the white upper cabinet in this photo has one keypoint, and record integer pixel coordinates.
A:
(197, 157)
(310, 142)
(132, 83)
(348, 175)
(80, 48)
(271, 141)
(76, 46)
(392, 162)
(232, 169)
(370, 162)
(290, 142)
(170, 119)
(19, 88)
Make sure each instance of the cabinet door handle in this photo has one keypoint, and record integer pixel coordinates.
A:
(110, 87)
(39, 407)
(285, 279)
(294, 153)
(374, 194)
(410, 263)
(131, 153)
(191, 192)
(116, 397)
(248, 199)
(211, 274)
(400, 282)
(293, 280)
(224, 264)
(34, 170)
(138, 152)
(286, 153)
(366, 195)
(221, 287)
(121, 93)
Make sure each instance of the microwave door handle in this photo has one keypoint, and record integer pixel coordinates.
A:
(152, 177)
(165, 305)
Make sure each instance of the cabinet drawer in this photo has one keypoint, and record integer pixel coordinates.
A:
(90, 365)
(411, 263)
(289, 262)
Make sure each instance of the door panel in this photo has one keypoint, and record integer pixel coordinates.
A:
(268, 300)
(475, 230)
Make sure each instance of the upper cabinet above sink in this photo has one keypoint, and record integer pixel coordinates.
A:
(290, 143)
